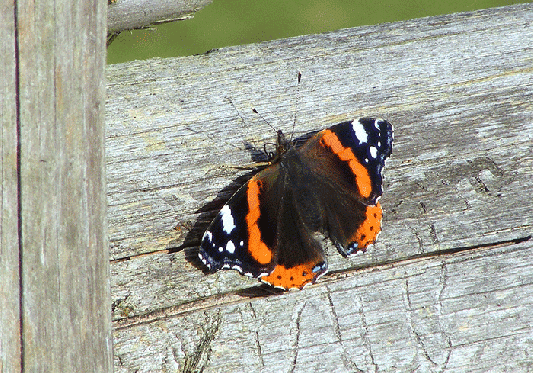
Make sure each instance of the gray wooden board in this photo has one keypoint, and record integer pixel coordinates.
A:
(457, 88)
(456, 313)
(134, 14)
(10, 351)
(54, 259)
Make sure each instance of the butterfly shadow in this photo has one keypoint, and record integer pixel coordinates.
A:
(190, 244)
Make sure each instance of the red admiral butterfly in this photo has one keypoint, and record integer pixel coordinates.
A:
(330, 184)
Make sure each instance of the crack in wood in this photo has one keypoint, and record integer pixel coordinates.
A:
(416, 334)
(430, 254)
(366, 340)
(345, 356)
(434, 254)
(261, 291)
(442, 281)
(257, 341)
(171, 363)
(419, 240)
(448, 356)
(413, 325)
(296, 342)
(433, 234)
(336, 326)
(203, 348)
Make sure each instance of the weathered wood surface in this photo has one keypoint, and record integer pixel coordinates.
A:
(448, 286)
(54, 262)
(10, 354)
(134, 14)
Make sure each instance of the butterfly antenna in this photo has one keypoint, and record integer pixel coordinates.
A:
(297, 103)
(244, 122)
(263, 119)
(240, 116)
(235, 108)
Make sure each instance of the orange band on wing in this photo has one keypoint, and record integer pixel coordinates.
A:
(256, 246)
(362, 178)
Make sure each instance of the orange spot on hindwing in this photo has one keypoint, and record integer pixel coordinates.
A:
(256, 247)
(362, 178)
(294, 277)
(368, 231)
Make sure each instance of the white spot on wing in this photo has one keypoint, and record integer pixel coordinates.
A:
(359, 131)
(227, 219)
(208, 235)
(230, 247)
(373, 152)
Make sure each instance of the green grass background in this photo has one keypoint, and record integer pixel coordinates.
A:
(233, 22)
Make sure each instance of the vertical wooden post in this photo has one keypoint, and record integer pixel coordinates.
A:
(10, 347)
(54, 267)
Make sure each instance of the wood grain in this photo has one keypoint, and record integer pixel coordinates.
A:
(447, 285)
(135, 14)
(10, 354)
(54, 262)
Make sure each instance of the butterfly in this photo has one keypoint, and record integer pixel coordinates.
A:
(330, 184)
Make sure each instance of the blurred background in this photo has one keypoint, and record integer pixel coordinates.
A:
(233, 22)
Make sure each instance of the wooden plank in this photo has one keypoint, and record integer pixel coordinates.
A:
(455, 313)
(10, 358)
(457, 89)
(133, 14)
(54, 256)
